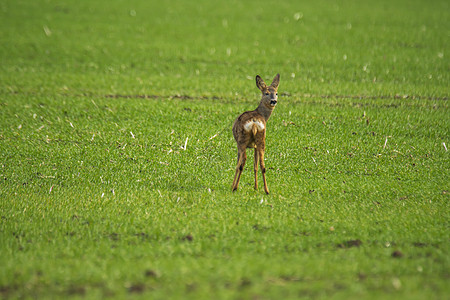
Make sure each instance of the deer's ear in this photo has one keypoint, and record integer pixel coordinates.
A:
(260, 83)
(276, 81)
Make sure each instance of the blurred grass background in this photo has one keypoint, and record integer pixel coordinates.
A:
(176, 47)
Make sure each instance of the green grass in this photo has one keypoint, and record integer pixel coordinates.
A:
(100, 199)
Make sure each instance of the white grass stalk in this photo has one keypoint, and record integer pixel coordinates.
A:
(214, 136)
(47, 30)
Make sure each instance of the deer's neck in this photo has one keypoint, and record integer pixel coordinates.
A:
(264, 111)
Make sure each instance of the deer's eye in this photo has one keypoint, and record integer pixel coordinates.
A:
(267, 94)
(276, 94)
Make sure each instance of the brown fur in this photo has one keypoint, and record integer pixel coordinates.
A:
(256, 137)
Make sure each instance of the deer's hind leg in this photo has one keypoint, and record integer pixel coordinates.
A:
(255, 167)
(263, 167)
(242, 157)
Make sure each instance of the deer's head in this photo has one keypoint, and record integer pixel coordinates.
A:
(269, 93)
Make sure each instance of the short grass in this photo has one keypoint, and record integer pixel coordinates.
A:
(117, 156)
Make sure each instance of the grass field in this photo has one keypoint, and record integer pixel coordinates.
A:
(117, 156)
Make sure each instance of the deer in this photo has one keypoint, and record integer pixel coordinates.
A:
(249, 131)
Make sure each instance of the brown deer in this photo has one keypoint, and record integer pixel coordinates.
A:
(249, 131)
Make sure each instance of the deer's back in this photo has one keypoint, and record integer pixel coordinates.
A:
(247, 126)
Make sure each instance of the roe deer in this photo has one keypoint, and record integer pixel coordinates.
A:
(249, 130)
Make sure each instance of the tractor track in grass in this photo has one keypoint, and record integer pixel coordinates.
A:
(307, 96)
(283, 94)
